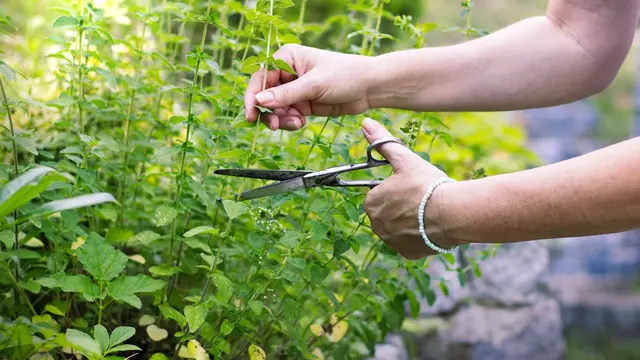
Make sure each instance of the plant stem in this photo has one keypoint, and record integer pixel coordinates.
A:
(186, 141)
(127, 126)
(21, 292)
(80, 71)
(16, 169)
(316, 140)
(303, 7)
(378, 21)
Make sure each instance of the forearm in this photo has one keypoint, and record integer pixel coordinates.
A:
(534, 63)
(592, 194)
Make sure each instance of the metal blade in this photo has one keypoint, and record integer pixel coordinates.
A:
(279, 175)
(294, 184)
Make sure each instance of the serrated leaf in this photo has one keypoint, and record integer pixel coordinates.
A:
(298, 262)
(120, 335)
(72, 283)
(164, 215)
(173, 314)
(250, 65)
(124, 288)
(284, 66)
(234, 209)
(195, 316)
(83, 342)
(101, 335)
(64, 21)
(100, 259)
(231, 154)
(144, 238)
(125, 347)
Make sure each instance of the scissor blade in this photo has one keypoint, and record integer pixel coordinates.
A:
(279, 175)
(277, 188)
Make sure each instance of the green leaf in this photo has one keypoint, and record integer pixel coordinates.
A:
(144, 238)
(340, 247)
(164, 215)
(284, 66)
(256, 306)
(318, 274)
(124, 288)
(108, 76)
(101, 334)
(234, 209)
(27, 144)
(164, 270)
(120, 335)
(226, 327)
(30, 285)
(72, 203)
(269, 163)
(83, 342)
(225, 287)
(173, 314)
(414, 304)
(298, 262)
(7, 238)
(195, 315)
(101, 259)
(444, 288)
(63, 21)
(200, 230)
(197, 244)
(25, 187)
(72, 283)
(53, 309)
(250, 65)
(231, 154)
(125, 347)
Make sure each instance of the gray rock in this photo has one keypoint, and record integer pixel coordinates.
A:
(393, 349)
(484, 333)
(513, 276)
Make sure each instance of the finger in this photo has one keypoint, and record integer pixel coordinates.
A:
(301, 89)
(292, 120)
(398, 155)
(256, 82)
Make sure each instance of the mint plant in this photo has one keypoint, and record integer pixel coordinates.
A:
(113, 242)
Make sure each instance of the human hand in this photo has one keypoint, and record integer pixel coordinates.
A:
(327, 84)
(393, 205)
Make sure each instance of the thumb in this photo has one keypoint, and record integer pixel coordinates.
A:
(398, 155)
(286, 94)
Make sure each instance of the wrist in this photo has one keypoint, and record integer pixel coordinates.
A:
(438, 216)
(395, 80)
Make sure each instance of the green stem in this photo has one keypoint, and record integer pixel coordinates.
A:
(21, 292)
(16, 170)
(378, 22)
(186, 141)
(100, 306)
(127, 126)
(80, 73)
(303, 7)
(315, 142)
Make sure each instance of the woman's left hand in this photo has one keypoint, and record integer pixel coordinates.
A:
(393, 205)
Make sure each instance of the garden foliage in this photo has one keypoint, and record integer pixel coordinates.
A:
(116, 113)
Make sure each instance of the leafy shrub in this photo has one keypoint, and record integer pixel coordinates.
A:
(122, 100)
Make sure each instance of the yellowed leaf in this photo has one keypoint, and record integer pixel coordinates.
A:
(156, 333)
(197, 350)
(256, 353)
(34, 243)
(317, 330)
(184, 353)
(76, 244)
(317, 354)
(137, 258)
(338, 331)
(146, 320)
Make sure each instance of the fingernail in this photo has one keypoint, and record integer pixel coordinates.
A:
(368, 125)
(297, 123)
(265, 98)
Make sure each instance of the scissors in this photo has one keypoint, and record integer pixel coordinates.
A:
(294, 180)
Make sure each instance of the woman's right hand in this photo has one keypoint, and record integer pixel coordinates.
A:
(327, 84)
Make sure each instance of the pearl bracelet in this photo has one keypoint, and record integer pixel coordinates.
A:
(423, 203)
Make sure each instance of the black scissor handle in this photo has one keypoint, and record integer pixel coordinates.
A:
(374, 145)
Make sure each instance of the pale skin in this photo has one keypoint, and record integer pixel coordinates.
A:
(572, 52)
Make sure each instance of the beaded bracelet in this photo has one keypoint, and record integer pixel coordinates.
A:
(423, 203)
